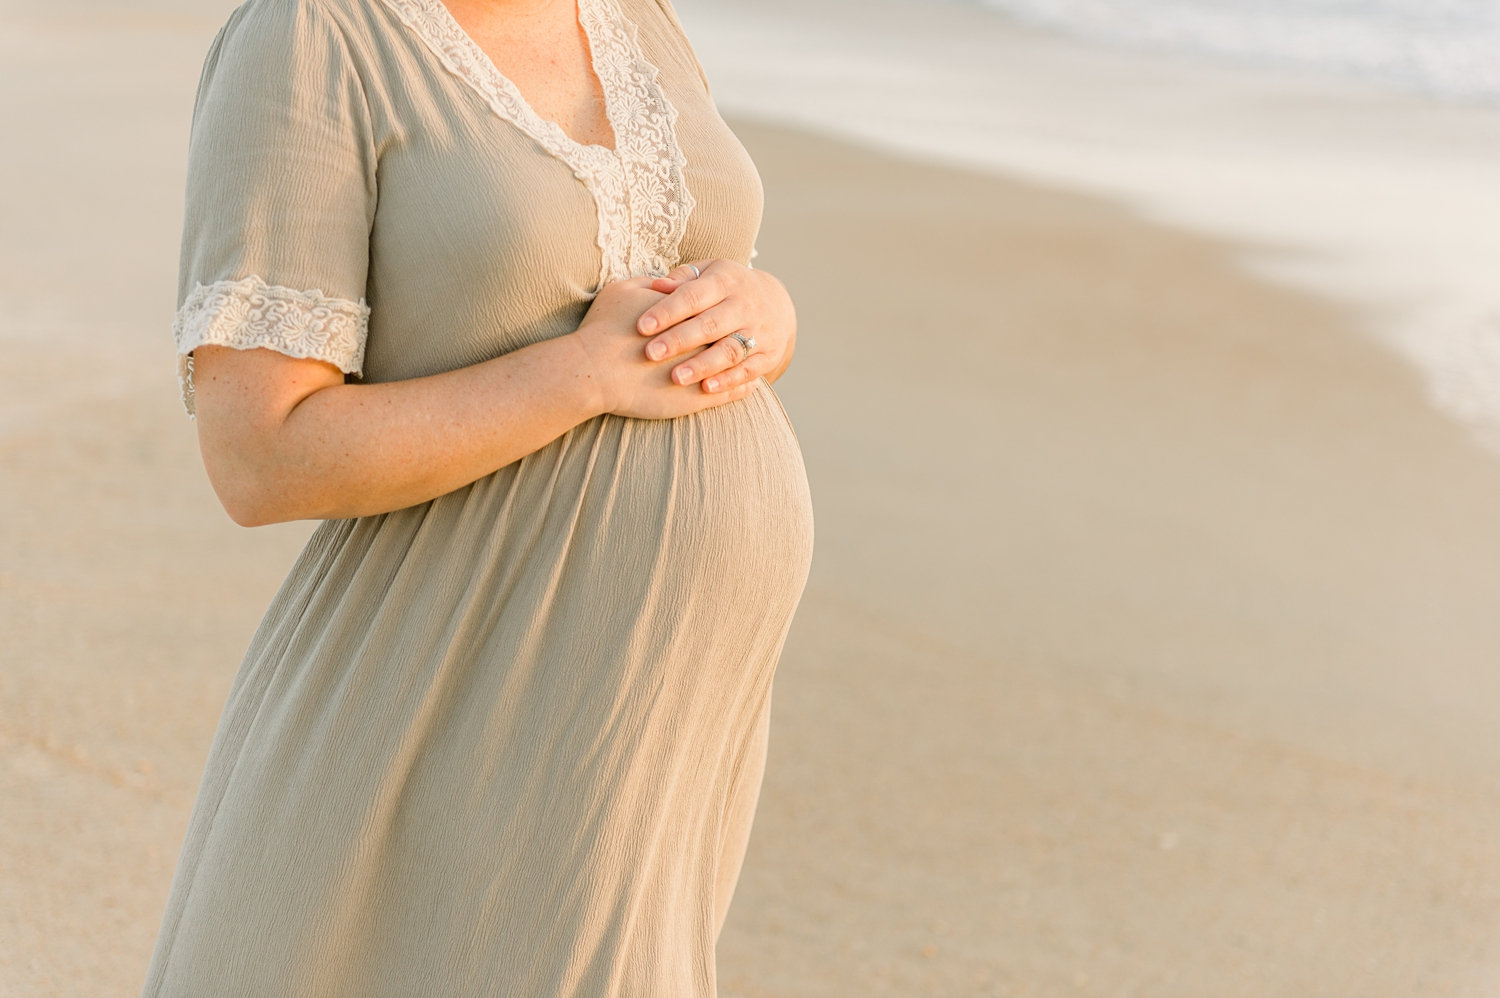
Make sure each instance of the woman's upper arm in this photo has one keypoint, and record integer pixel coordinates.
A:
(280, 201)
(244, 397)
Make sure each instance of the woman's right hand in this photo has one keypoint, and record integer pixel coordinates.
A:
(630, 384)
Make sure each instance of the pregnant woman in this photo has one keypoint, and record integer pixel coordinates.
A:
(469, 281)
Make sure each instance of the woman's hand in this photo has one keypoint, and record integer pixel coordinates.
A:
(706, 321)
(630, 382)
(286, 438)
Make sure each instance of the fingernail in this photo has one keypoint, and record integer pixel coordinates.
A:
(684, 375)
(648, 324)
(657, 350)
(712, 384)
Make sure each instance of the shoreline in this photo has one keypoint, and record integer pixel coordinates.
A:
(1383, 201)
(1148, 647)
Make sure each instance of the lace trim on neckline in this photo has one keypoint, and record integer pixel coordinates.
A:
(642, 199)
(250, 313)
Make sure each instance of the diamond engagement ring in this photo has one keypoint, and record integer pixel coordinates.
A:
(747, 345)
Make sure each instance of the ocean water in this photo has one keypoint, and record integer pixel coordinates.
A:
(1447, 49)
(1301, 130)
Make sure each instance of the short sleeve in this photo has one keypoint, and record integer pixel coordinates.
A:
(280, 193)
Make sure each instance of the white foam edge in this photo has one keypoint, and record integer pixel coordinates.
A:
(1387, 202)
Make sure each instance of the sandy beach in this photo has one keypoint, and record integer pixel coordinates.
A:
(1149, 647)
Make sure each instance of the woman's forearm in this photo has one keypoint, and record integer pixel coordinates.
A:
(343, 450)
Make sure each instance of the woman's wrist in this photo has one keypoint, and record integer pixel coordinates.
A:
(596, 395)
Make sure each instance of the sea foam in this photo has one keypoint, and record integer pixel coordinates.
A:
(1387, 201)
(1448, 49)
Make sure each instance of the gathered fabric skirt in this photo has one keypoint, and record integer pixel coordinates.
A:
(509, 741)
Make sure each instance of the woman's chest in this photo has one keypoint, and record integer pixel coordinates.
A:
(545, 52)
(493, 230)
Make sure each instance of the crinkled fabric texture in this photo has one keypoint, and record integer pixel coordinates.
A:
(509, 741)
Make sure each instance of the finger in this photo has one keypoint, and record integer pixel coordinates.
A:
(666, 285)
(715, 360)
(707, 327)
(754, 366)
(689, 299)
(713, 401)
(733, 395)
(679, 276)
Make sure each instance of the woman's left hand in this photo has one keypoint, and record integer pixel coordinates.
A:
(722, 308)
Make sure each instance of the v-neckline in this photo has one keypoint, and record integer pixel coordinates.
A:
(583, 15)
(639, 188)
(545, 129)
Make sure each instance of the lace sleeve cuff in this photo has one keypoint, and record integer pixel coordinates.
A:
(251, 313)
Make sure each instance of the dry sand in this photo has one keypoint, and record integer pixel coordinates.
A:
(1150, 645)
(1149, 648)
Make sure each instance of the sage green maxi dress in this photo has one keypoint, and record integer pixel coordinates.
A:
(509, 741)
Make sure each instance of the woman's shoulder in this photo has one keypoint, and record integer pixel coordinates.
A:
(270, 45)
(285, 26)
(293, 11)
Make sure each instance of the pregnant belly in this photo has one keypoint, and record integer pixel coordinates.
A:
(713, 507)
(630, 569)
(724, 492)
